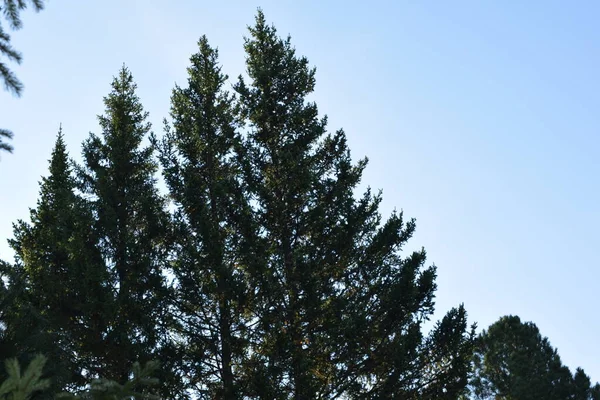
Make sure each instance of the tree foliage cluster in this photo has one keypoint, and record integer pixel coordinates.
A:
(11, 11)
(512, 360)
(262, 273)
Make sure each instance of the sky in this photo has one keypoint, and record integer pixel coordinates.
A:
(480, 120)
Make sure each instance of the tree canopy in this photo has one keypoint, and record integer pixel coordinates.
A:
(259, 270)
(512, 360)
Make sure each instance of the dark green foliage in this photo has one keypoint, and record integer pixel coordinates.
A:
(11, 10)
(20, 331)
(273, 278)
(139, 386)
(26, 385)
(8, 347)
(339, 311)
(513, 361)
(87, 288)
(583, 389)
(202, 174)
(132, 225)
(5, 134)
(57, 284)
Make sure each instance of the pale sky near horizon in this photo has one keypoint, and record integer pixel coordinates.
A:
(480, 120)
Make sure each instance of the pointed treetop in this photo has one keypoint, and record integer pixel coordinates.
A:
(124, 122)
(261, 22)
(121, 85)
(273, 65)
(59, 161)
(204, 73)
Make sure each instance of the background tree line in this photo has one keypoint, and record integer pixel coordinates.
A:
(262, 273)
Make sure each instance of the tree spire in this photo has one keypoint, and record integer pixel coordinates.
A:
(118, 175)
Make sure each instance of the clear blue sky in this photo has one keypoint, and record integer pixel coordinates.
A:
(480, 118)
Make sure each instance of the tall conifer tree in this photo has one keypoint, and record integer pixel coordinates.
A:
(339, 310)
(118, 176)
(199, 156)
(512, 360)
(59, 278)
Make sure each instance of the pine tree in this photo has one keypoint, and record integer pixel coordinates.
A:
(57, 281)
(139, 386)
(199, 156)
(23, 385)
(14, 336)
(11, 9)
(5, 134)
(582, 385)
(118, 177)
(513, 360)
(12, 12)
(339, 310)
(27, 384)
